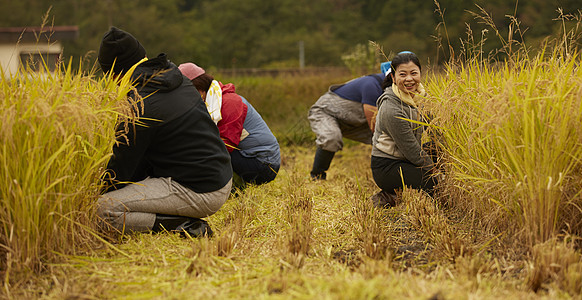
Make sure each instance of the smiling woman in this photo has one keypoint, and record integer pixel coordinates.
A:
(408, 78)
(398, 157)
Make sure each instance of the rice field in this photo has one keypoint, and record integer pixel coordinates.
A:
(506, 221)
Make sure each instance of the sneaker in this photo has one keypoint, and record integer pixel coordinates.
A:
(384, 200)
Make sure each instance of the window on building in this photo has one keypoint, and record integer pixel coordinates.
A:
(39, 61)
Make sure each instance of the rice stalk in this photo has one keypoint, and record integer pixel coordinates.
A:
(56, 136)
(513, 141)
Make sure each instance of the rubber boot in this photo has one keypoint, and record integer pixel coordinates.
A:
(192, 226)
(384, 200)
(321, 163)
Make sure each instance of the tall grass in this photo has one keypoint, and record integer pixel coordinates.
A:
(56, 135)
(513, 142)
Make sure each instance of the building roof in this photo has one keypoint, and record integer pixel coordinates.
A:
(38, 34)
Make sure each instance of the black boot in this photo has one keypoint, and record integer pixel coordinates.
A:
(193, 226)
(384, 200)
(321, 163)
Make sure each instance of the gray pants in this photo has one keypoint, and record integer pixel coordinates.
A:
(333, 118)
(134, 207)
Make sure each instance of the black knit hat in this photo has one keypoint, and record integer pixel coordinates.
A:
(120, 47)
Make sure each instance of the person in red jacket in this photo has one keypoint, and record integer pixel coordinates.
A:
(254, 150)
(225, 107)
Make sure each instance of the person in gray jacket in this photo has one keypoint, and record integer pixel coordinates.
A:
(398, 155)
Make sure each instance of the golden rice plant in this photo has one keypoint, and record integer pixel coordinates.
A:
(56, 135)
(512, 135)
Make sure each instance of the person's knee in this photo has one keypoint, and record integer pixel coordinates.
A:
(104, 205)
(316, 114)
(331, 142)
(218, 198)
(109, 210)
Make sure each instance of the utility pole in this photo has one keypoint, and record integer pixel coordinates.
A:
(301, 55)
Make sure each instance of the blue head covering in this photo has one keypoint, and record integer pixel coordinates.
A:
(385, 67)
(406, 51)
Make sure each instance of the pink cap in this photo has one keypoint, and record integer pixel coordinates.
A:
(191, 70)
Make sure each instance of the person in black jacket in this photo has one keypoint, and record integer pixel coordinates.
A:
(171, 168)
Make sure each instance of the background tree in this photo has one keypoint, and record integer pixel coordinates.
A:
(256, 33)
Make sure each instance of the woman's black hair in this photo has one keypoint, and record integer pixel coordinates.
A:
(202, 82)
(401, 58)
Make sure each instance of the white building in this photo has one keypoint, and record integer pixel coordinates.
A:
(29, 46)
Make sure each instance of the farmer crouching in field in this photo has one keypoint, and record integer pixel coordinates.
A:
(397, 152)
(345, 110)
(172, 171)
(254, 150)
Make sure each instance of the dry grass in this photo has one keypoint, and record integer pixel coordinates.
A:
(295, 238)
(506, 221)
(556, 262)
